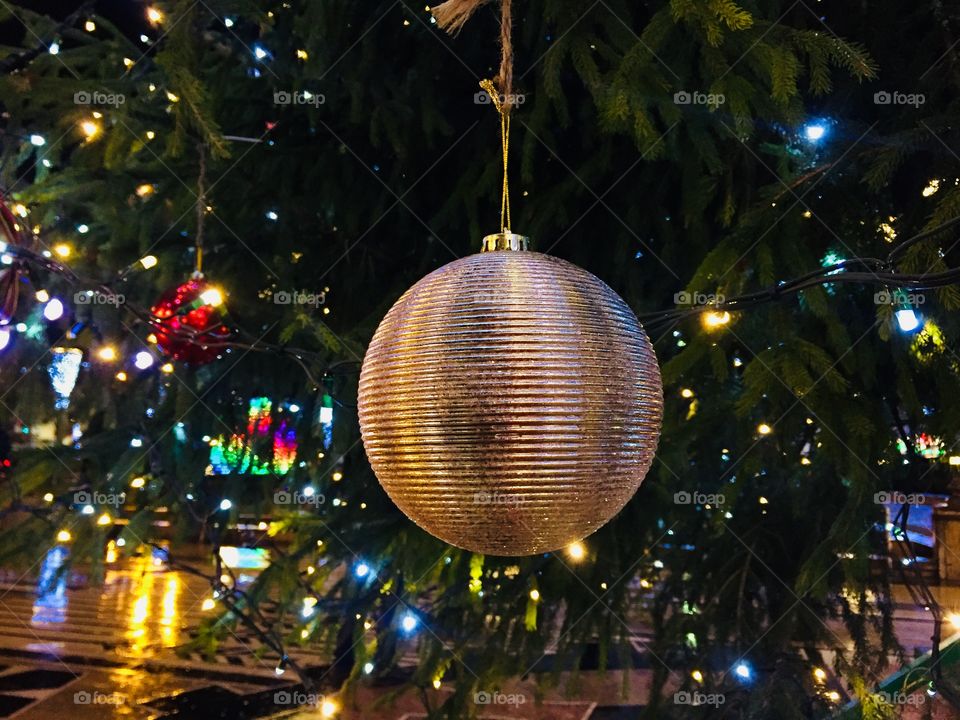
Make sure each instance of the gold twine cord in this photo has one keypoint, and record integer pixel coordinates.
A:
(451, 16)
(503, 109)
(201, 209)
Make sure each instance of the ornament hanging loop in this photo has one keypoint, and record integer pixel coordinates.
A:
(503, 108)
(451, 16)
(201, 209)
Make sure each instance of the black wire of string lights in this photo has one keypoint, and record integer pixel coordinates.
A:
(873, 271)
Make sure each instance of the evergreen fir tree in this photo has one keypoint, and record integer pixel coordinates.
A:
(389, 169)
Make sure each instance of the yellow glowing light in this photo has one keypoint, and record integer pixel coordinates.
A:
(819, 674)
(534, 594)
(90, 26)
(138, 482)
(931, 187)
(104, 519)
(62, 249)
(326, 311)
(151, 134)
(697, 675)
(713, 320)
(154, 15)
(337, 476)
(128, 63)
(122, 376)
(888, 232)
(328, 709)
(145, 190)
(577, 551)
(42, 296)
(107, 353)
(807, 214)
(148, 261)
(48, 497)
(166, 368)
(303, 55)
(208, 604)
(436, 683)
(834, 696)
(764, 429)
(763, 500)
(90, 128)
(686, 393)
(64, 536)
(152, 339)
(111, 556)
(172, 98)
(21, 210)
(955, 459)
(804, 461)
(212, 297)
(954, 619)
(304, 634)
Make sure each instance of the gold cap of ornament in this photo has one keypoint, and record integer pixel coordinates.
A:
(505, 241)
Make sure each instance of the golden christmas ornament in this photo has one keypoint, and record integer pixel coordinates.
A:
(510, 402)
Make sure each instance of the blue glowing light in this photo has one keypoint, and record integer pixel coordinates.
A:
(908, 320)
(53, 310)
(743, 671)
(361, 570)
(142, 360)
(409, 622)
(814, 132)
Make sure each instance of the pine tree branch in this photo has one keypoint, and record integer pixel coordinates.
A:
(15, 63)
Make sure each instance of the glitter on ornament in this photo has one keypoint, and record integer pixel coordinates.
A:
(189, 322)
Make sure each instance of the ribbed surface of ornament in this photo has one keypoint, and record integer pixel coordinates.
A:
(510, 403)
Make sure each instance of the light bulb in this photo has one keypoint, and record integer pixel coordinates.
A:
(143, 360)
(53, 310)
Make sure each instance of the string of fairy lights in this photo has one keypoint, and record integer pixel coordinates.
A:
(713, 315)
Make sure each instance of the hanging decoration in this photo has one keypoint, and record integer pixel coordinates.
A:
(190, 319)
(189, 322)
(64, 369)
(325, 420)
(268, 447)
(510, 402)
(12, 268)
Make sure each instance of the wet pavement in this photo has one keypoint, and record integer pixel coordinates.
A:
(68, 648)
(110, 651)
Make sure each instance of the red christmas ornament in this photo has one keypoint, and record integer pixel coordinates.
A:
(189, 322)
